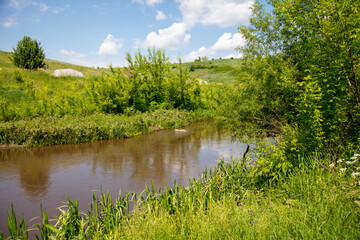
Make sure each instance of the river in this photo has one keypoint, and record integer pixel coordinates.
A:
(47, 175)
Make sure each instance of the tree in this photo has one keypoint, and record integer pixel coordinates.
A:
(28, 54)
(300, 76)
(323, 39)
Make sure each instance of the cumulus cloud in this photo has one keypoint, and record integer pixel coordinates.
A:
(170, 38)
(225, 44)
(110, 45)
(223, 13)
(160, 16)
(228, 42)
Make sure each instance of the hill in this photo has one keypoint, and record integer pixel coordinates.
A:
(215, 70)
(7, 65)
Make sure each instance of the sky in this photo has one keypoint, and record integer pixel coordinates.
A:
(98, 33)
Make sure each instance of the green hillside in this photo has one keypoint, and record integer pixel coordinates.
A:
(216, 70)
(28, 94)
(7, 65)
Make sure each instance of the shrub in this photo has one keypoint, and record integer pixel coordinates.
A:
(28, 54)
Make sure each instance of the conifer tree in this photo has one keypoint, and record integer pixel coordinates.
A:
(28, 54)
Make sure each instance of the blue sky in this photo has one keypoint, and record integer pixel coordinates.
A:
(97, 33)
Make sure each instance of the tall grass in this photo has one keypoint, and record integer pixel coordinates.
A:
(98, 126)
(224, 203)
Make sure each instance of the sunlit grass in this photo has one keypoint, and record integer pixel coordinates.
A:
(94, 127)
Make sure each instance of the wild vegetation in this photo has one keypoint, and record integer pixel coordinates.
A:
(215, 70)
(39, 109)
(93, 127)
(298, 83)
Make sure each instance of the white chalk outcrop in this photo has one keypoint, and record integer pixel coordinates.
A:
(67, 73)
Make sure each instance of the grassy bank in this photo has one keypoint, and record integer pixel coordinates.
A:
(98, 126)
(216, 70)
(225, 203)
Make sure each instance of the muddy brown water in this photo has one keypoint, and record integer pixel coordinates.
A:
(47, 175)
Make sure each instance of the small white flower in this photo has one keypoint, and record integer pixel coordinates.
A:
(340, 160)
(332, 165)
(358, 168)
(355, 174)
(348, 162)
(342, 169)
(353, 158)
(356, 155)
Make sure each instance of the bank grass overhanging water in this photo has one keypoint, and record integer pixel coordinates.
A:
(44, 131)
(226, 202)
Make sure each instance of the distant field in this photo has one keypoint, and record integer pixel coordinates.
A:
(217, 70)
(212, 71)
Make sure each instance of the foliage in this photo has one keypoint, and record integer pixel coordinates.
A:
(300, 80)
(148, 83)
(28, 54)
(94, 127)
(322, 39)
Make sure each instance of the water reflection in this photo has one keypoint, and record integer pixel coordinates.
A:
(46, 175)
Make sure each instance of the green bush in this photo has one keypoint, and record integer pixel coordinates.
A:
(149, 83)
(28, 54)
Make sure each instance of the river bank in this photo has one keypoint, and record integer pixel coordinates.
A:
(45, 131)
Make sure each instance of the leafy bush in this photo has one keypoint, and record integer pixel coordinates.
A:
(300, 80)
(149, 83)
(28, 54)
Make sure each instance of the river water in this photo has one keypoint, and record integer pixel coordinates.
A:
(47, 175)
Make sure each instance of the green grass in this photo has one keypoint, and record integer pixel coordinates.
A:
(216, 70)
(27, 94)
(94, 127)
(225, 203)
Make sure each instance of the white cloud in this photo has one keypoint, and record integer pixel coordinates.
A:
(233, 55)
(10, 21)
(91, 59)
(110, 45)
(170, 38)
(43, 7)
(153, 2)
(225, 44)
(223, 13)
(19, 4)
(228, 42)
(160, 16)
(201, 52)
(71, 53)
(148, 2)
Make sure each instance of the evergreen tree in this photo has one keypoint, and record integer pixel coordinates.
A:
(28, 54)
